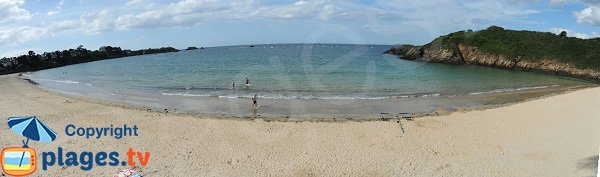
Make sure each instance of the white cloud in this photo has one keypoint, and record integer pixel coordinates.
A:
(420, 14)
(57, 9)
(17, 35)
(134, 2)
(317, 9)
(192, 12)
(300, 9)
(432, 18)
(12, 10)
(53, 12)
(557, 2)
(65, 25)
(98, 22)
(182, 13)
(589, 15)
(572, 33)
(382, 16)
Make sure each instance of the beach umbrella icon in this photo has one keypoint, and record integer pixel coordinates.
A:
(32, 128)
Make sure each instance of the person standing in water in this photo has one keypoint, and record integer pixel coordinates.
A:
(254, 104)
(233, 84)
(247, 81)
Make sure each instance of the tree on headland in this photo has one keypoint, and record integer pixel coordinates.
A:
(65, 57)
(495, 28)
(563, 34)
(48, 56)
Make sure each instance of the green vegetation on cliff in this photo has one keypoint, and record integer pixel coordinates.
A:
(528, 45)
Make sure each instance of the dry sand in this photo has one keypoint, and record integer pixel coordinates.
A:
(554, 136)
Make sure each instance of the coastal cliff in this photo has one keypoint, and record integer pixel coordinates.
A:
(478, 48)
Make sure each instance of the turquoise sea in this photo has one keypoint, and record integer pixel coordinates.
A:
(286, 72)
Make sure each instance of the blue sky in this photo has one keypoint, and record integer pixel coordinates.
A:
(48, 25)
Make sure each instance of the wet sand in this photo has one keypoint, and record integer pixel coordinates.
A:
(553, 136)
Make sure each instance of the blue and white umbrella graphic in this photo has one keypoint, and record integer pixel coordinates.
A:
(32, 128)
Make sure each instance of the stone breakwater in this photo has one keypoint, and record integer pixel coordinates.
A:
(462, 54)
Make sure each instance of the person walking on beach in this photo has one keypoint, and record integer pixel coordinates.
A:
(254, 104)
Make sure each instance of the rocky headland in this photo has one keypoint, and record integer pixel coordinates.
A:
(462, 48)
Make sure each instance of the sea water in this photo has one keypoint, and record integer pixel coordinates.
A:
(285, 72)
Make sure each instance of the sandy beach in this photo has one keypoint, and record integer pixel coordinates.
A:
(553, 136)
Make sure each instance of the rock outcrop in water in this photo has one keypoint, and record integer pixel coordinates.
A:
(446, 51)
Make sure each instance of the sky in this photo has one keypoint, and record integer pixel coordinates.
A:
(49, 25)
